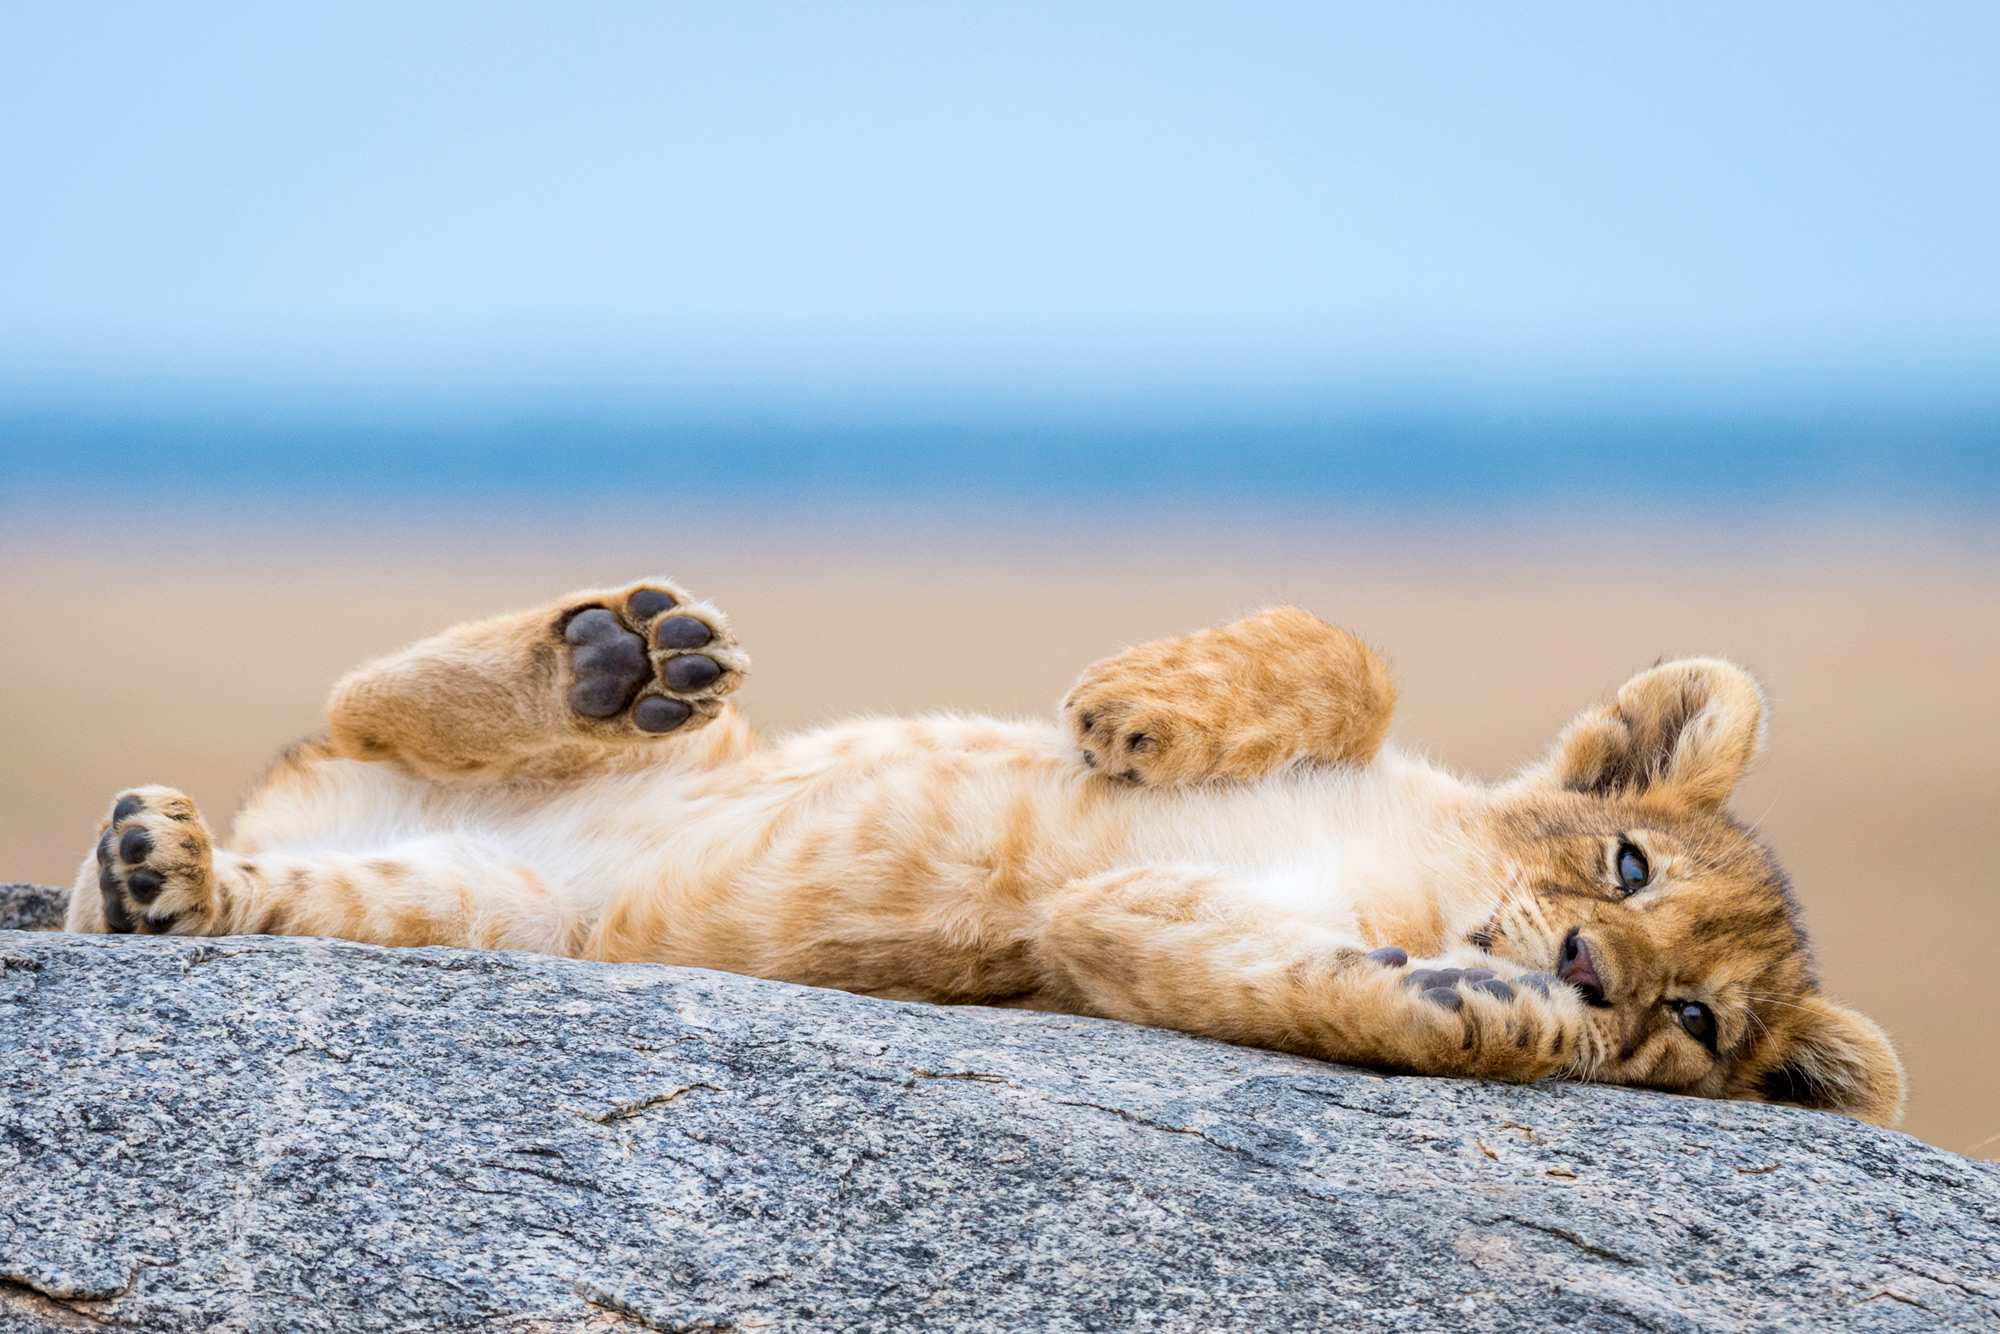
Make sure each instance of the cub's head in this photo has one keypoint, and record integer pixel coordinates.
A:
(1630, 881)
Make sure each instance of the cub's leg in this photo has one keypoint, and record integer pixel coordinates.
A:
(1186, 949)
(156, 870)
(1235, 703)
(600, 677)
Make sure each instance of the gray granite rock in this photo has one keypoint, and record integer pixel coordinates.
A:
(262, 1134)
(32, 907)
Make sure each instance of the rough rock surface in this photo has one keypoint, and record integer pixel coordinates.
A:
(31, 907)
(265, 1134)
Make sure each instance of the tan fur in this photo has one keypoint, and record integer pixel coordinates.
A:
(1236, 703)
(1214, 840)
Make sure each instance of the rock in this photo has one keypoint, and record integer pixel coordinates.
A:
(293, 1134)
(32, 907)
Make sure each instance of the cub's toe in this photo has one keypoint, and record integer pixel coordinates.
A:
(693, 672)
(681, 632)
(657, 713)
(650, 602)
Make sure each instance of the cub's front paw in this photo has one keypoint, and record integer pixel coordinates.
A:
(1135, 720)
(1475, 1022)
(155, 871)
(648, 661)
(1232, 704)
(1129, 745)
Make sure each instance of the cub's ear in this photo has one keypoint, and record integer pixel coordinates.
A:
(1836, 1060)
(1685, 729)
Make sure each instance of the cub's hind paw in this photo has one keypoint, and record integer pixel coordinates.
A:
(155, 870)
(649, 660)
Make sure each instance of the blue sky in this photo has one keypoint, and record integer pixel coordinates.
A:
(934, 202)
(1405, 254)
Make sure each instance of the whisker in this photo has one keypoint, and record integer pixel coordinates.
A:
(1758, 1020)
(1758, 823)
(1773, 1000)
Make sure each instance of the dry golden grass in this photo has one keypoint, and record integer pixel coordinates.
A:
(189, 659)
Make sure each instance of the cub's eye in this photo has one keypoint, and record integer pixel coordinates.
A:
(1697, 1020)
(1633, 872)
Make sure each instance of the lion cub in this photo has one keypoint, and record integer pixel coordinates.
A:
(1214, 839)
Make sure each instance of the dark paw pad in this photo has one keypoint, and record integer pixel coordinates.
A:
(655, 714)
(1389, 956)
(116, 916)
(681, 632)
(648, 603)
(126, 808)
(1494, 987)
(136, 845)
(1545, 983)
(1445, 997)
(610, 663)
(692, 672)
(1426, 978)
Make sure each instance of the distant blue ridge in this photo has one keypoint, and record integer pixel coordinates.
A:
(1390, 460)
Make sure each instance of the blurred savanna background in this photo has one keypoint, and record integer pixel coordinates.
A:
(950, 347)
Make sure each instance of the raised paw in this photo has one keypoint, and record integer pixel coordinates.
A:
(1231, 704)
(648, 660)
(1134, 745)
(155, 872)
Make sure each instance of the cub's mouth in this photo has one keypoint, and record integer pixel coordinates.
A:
(1575, 966)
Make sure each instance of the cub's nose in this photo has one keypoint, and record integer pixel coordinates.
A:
(1576, 967)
